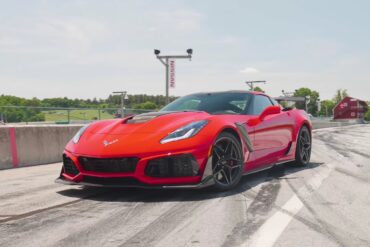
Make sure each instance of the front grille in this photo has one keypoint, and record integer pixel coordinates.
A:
(173, 166)
(113, 165)
(111, 181)
(69, 167)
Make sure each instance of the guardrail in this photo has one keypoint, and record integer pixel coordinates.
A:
(60, 115)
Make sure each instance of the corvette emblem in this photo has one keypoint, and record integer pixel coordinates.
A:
(107, 143)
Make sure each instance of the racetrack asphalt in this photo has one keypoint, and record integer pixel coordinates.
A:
(324, 204)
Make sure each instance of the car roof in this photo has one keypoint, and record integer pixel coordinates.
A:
(233, 91)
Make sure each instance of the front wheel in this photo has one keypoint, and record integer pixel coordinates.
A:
(303, 149)
(227, 161)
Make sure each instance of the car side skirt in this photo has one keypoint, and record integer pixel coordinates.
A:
(267, 167)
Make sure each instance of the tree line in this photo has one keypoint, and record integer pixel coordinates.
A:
(31, 110)
(140, 101)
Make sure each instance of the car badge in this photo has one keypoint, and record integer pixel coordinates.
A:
(107, 143)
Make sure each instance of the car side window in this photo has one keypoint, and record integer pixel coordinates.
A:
(260, 103)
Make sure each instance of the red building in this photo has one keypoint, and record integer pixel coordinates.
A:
(350, 108)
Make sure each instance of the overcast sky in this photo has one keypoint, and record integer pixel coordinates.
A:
(90, 48)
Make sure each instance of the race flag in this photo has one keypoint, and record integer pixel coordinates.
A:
(172, 73)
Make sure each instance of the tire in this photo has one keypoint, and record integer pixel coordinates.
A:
(227, 162)
(304, 146)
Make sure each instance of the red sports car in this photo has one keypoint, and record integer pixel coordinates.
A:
(198, 140)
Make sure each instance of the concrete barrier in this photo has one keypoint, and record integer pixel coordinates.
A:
(324, 124)
(33, 145)
(5, 150)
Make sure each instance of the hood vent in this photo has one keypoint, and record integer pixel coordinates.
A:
(145, 117)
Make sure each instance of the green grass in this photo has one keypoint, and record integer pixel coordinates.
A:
(62, 115)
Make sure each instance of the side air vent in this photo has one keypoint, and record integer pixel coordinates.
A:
(69, 166)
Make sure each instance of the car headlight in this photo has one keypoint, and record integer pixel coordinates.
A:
(78, 135)
(185, 132)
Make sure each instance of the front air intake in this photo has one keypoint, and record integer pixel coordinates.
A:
(109, 165)
(69, 166)
(173, 166)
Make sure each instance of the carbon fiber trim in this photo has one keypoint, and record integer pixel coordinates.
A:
(201, 185)
(245, 136)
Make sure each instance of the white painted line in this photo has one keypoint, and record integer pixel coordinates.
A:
(271, 230)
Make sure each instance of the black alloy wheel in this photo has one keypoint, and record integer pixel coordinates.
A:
(227, 161)
(304, 145)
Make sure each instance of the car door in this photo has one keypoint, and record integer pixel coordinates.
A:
(271, 137)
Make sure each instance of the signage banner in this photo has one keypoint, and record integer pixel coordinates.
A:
(171, 72)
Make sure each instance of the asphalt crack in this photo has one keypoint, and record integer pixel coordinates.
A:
(38, 211)
(325, 228)
(258, 211)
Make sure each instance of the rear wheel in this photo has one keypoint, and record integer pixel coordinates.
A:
(227, 161)
(303, 149)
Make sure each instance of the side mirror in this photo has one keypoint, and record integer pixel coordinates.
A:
(274, 109)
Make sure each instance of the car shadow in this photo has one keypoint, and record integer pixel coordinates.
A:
(171, 195)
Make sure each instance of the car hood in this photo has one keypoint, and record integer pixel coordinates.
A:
(154, 122)
(137, 135)
(141, 134)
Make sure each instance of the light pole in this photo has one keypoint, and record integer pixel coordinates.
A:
(306, 102)
(123, 97)
(318, 102)
(165, 61)
(251, 83)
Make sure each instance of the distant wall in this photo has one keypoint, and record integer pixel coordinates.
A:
(33, 145)
(325, 124)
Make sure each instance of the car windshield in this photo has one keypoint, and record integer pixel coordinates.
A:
(213, 103)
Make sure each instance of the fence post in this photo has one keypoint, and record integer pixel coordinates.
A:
(69, 116)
